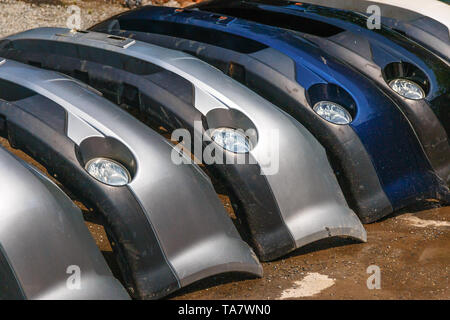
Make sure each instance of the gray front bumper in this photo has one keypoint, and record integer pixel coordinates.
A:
(42, 234)
(169, 226)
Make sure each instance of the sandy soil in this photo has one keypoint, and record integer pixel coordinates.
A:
(411, 249)
(17, 16)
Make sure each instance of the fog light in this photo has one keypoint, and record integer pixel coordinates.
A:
(407, 88)
(108, 171)
(231, 140)
(332, 112)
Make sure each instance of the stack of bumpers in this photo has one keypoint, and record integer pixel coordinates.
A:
(309, 122)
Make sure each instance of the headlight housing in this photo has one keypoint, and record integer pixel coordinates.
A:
(231, 140)
(332, 112)
(108, 171)
(407, 89)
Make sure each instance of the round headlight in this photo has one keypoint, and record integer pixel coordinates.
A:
(332, 112)
(407, 88)
(231, 140)
(108, 171)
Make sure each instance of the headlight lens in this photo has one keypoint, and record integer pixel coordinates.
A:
(332, 112)
(231, 140)
(108, 171)
(407, 88)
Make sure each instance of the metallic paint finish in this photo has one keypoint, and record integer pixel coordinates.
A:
(432, 8)
(427, 27)
(42, 233)
(304, 180)
(175, 198)
(380, 122)
(369, 52)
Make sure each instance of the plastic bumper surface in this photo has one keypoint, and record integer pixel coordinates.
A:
(153, 222)
(44, 241)
(302, 185)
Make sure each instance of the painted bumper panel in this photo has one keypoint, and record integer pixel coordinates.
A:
(42, 234)
(370, 52)
(215, 92)
(415, 23)
(385, 183)
(154, 220)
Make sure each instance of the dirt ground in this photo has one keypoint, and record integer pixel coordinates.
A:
(411, 248)
(412, 251)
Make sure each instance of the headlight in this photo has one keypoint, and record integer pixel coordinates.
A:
(332, 112)
(108, 171)
(231, 140)
(407, 88)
